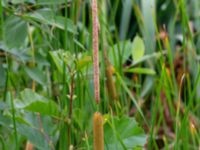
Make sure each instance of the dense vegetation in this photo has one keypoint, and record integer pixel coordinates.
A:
(148, 96)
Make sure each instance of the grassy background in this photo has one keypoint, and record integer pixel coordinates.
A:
(151, 48)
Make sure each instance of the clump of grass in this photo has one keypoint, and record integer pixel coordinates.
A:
(171, 110)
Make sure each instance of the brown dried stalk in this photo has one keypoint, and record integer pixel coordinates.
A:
(98, 131)
(95, 50)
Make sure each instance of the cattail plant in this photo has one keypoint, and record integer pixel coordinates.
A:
(98, 131)
(97, 118)
(109, 80)
(110, 83)
(95, 50)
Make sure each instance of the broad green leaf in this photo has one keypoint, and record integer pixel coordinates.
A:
(4, 121)
(18, 53)
(21, 120)
(45, 108)
(33, 135)
(120, 52)
(141, 71)
(33, 131)
(48, 16)
(27, 97)
(28, 126)
(3, 106)
(138, 49)
(36, 75)
(34, 102)
(123, 131)
(15, 32)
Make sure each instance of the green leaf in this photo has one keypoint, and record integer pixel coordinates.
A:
(15, 32)
(47, 16)
(5, 121)
(32, 130)
(141, 71)
(19, 53)
(3, 106)
(45, 108)
(29, 127)
(138, 49)
(36, 75)
(33, 135)
(120, 52)
(123, 131)
(27, 97)
(34, 102)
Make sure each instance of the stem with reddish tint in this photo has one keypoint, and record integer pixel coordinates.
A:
(95, 50)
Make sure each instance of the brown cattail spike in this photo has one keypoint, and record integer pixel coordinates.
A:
(98, 131)
(29, 146)
(110, 82)
(95, 50)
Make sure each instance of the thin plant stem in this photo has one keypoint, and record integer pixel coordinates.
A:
(14, 120)
(70, 107)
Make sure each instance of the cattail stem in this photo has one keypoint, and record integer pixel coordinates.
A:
(95, 50)
(98, 131)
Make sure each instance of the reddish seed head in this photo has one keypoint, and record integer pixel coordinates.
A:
(95, 50)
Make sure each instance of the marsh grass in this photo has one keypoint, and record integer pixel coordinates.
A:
(165, 104)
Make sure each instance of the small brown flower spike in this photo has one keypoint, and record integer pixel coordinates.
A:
(29, 146)
(98, 131)
(95, 50)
